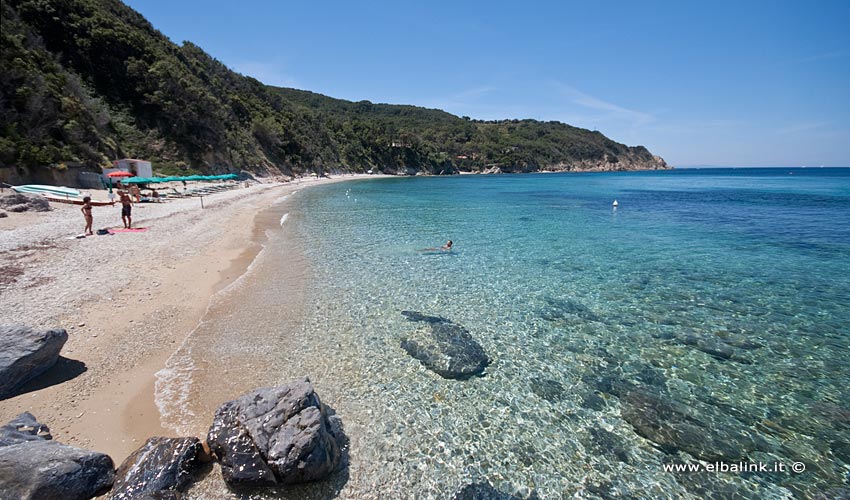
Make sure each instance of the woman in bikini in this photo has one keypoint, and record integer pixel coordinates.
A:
(87, 214)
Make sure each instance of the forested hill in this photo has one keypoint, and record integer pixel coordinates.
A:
(89, 81)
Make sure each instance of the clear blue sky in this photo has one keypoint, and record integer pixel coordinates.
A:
(698, 82)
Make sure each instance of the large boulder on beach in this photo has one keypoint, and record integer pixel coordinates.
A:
(32, 466)
(19, 202)
(444, 347)
(26, 353)
(276, 435)
(159, 469)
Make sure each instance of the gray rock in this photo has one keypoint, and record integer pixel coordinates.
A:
(26, 353)
(23, 428)
(19, 202)
(159, 469)
(445, 347)
(3, 214)
(47, 470)
(276, 435)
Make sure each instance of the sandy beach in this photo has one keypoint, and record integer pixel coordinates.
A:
(127, 300)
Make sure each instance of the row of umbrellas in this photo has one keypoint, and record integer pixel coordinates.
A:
(130, 179)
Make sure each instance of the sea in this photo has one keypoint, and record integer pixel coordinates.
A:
(690, 341)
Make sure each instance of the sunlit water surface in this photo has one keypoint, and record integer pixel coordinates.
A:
(704, 318)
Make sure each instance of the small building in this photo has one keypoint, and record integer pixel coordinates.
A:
(139, 168)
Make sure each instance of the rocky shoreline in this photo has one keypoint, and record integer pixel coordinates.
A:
(277, 435)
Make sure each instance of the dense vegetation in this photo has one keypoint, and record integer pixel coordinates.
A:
(89, 81)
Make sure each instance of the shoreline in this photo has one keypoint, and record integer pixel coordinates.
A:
(128, 303)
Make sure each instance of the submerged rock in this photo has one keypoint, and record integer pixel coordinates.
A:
(673, 426)
(609, 384)
(550, 390)
(445, 348)
(713, 346)
(32, 466)
(26, 353)
(738, 340)
(482, 491)
(607, 443)
(159, 469)
(593, 401)
(560, 309)
(276, 435)
(651, 376)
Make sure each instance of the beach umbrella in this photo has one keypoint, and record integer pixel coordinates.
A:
(115, 175)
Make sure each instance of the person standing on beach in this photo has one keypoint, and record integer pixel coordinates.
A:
(136, 192)
(86, 209)
(126, 209)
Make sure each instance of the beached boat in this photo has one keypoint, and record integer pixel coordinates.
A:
(49, 190)
(75, 201)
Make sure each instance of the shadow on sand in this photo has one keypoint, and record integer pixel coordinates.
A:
(64, 370)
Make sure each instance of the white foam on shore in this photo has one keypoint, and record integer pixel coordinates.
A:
(283, 219)
(283, 198)
(171, 394)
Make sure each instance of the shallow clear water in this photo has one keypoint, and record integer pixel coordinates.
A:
(705, 318)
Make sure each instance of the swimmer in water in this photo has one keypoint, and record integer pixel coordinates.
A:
(445, 248)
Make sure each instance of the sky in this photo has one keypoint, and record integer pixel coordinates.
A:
(743, 83)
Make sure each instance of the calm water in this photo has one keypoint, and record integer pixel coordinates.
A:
(705, 318)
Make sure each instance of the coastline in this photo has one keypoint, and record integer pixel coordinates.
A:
(128, 302)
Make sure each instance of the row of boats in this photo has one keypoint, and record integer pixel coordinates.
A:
(56, 193)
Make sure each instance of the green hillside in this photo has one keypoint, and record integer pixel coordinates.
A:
(84, 82)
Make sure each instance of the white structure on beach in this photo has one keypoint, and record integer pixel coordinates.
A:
(139, 168)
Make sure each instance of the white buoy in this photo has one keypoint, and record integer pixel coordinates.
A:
(615, 204)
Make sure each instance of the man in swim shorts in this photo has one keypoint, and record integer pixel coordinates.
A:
(126, 208)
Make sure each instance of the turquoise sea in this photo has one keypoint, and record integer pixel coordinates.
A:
(703, 321)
